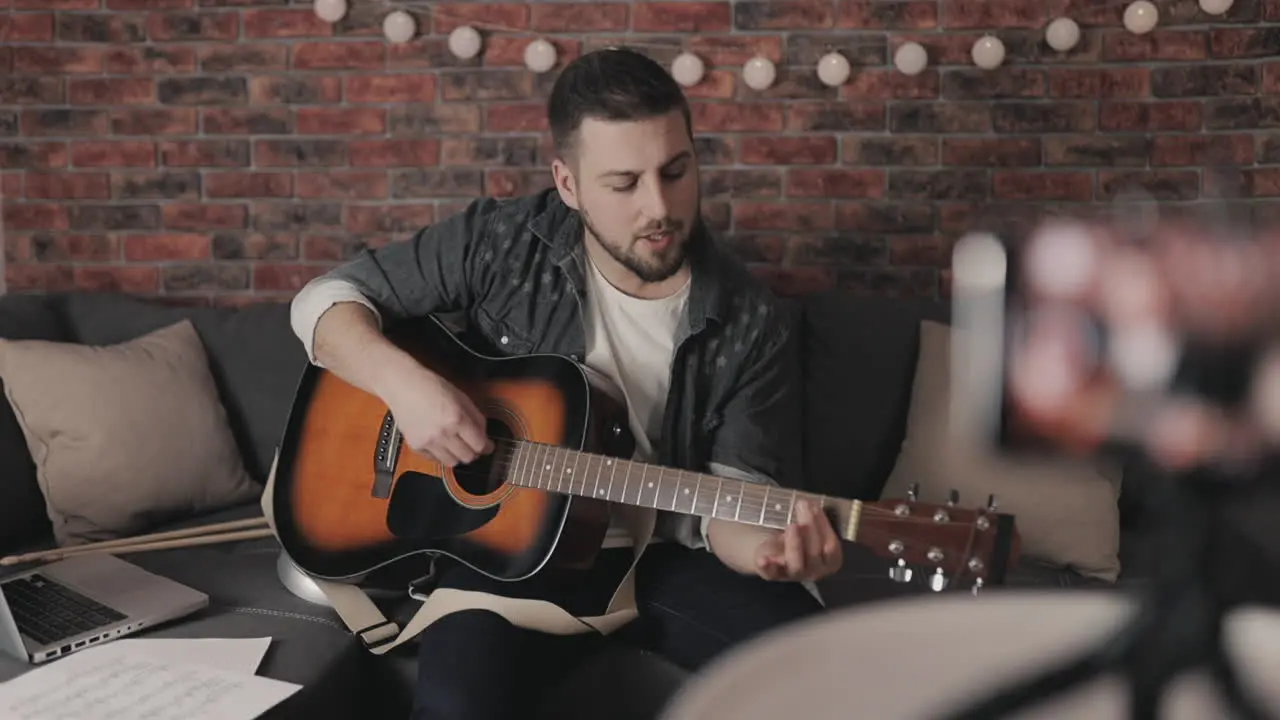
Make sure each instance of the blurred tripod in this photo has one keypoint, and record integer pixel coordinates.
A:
(1177, 625)
(1178, 622)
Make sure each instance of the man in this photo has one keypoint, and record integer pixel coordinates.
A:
(613, 268)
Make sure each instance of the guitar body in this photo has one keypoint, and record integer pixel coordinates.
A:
(351, 498)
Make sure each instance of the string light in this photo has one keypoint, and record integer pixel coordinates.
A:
(331, 11)
(464, 42)
(1141, 17)
(988, 52)
(540, 56)
(1062, 34)
(759, 73)
(911, 58)
(687, 69)
(833, 69)
(399, 27)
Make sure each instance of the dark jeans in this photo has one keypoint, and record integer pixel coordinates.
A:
(475, 665)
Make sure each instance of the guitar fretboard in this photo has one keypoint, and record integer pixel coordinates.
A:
(572, 472)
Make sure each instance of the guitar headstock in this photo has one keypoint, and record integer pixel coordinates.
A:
(950, 542)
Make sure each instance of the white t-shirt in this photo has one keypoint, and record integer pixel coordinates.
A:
(630, 341)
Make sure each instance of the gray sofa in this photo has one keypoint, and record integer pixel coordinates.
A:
(855, 357)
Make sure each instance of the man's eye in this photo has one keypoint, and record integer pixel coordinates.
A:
(675, 174)
(628, 187)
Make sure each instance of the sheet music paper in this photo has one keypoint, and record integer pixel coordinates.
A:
(233, 655)
(141, 681)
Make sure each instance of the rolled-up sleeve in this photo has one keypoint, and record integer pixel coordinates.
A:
(433, 271)
(314, 299)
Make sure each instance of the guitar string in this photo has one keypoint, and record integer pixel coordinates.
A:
(749, 491)
(871, 536)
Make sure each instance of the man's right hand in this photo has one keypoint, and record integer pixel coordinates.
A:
(435, 417)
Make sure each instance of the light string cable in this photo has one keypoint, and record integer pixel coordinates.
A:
(710, 51)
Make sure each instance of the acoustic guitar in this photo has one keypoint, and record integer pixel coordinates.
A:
(352, 497)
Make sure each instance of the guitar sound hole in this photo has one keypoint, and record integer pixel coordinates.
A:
(488, 472)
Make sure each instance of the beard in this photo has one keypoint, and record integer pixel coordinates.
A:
(632, 253)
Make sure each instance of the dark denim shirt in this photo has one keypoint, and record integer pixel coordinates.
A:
(515, 268)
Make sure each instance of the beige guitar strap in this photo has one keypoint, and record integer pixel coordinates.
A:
(381, 635)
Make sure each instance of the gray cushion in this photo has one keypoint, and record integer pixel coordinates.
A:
(859, 360)
(22, 509)
(255, 358)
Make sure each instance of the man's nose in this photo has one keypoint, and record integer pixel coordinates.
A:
(656, 202)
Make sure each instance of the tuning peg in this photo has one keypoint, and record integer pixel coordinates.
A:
(900, 572)
(977, 587)
(937, 581)
(913, 492)
(953, 498)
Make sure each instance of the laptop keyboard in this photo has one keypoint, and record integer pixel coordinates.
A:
(48, 612)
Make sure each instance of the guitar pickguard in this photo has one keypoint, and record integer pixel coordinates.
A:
(422, 508)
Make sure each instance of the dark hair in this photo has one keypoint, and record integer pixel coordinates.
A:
(611, 84)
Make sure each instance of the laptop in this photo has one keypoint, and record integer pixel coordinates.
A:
(56, 609)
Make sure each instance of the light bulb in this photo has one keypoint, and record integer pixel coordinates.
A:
(759, 72)
(464, 42)
(540, 56)
(399, 27)
(1140, 17)
(1062, 34)
(687, 69)
(833, 69)
(988, 52)
(911, 58)
(331, 11)
(1215, 7)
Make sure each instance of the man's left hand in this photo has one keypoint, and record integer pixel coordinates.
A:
(808, 549)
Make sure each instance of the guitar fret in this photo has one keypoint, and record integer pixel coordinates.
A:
(597, 477)
(516, 465)
(603, 493)
(553, 477)
(531, 467)
(567, 471)
(563, 457)
(658, 490)
(646, 482)
(613, 471)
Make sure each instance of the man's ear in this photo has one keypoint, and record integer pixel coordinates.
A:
(566, 184)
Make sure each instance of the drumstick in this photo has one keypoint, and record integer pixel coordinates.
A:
(145, 541)
(51, 555)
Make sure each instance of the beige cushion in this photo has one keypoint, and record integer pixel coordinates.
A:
(1066, 510)
(124, 436)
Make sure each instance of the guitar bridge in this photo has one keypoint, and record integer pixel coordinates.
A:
(384, 458)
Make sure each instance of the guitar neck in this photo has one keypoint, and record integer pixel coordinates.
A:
(572, 472)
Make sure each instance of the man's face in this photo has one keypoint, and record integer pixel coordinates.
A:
(636, 185)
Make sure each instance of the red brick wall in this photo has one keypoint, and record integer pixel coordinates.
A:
(233, 149)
